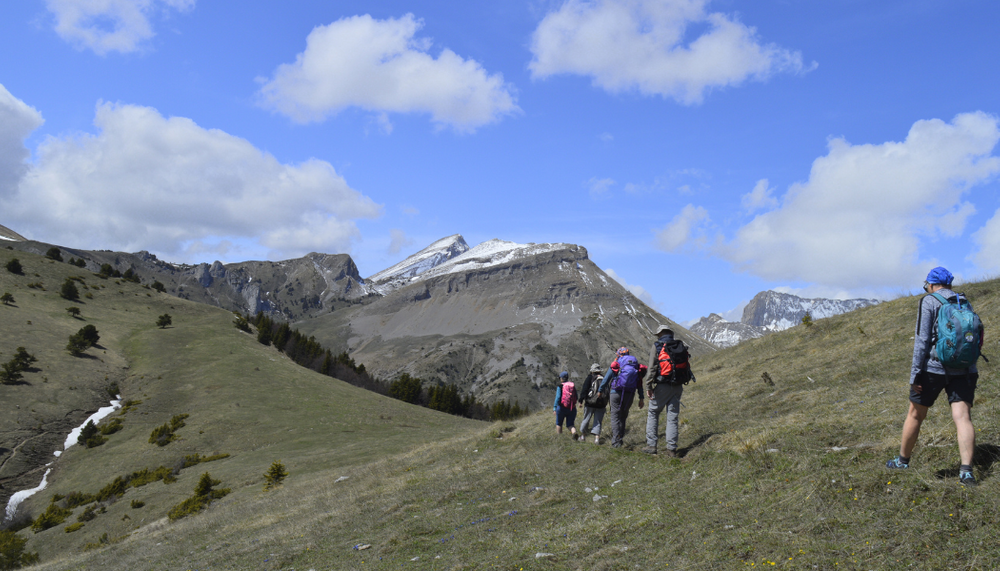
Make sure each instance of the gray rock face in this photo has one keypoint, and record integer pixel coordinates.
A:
(722, 333)
(771, 311)
(500, 321)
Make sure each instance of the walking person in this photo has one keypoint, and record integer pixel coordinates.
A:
(670, 370)
(565, 404)
(594, 397)
(624, 379)
(934, 369)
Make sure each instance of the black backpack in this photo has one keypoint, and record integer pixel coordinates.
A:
(673, 364)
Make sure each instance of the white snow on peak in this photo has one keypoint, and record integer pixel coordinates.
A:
(424, 260)
(490, 253)
(2, 237)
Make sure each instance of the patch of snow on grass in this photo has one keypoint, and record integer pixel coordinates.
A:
(19, 497)
(96, 417)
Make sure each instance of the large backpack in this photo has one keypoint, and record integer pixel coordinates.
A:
(958, 337)
(568, 398)
(628, 374)
(672, 363)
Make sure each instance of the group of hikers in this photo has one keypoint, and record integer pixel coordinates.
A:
(623, 381)
(946, 346)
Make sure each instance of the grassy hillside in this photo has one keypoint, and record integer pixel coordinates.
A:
(242, 398)
(789, 474)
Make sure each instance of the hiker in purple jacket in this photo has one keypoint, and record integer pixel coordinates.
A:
(565, 408)
(624, 381)
(928, 377)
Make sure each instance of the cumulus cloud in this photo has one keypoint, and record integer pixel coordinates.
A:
(987, 239)
(109, 25)
(859, 219)
(17, 121)
(637, 290)
(760, 198)
(682, 229)
(380, 66)
(641, 45)
(172, 187)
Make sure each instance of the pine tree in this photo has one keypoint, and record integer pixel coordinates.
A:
(275, 475)
(163, 321)
(6, 298)
(69, 291)
(14, 267)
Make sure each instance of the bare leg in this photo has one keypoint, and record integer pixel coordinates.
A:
(911, 428)
(961, 413)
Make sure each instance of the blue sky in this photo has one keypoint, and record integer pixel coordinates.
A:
(702, 151)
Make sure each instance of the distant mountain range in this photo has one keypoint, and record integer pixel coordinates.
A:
(771, 311)
(499, 320)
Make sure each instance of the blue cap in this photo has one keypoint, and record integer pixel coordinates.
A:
(564, 375)
(939, 275)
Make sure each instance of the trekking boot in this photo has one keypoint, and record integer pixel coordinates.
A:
(967, 479)
(597, 440)
(650, 450)
(897, 464)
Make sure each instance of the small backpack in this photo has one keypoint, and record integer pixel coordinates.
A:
(628, 374)
(595, 398)
(673, 361)
(568, 398)
(958, 336)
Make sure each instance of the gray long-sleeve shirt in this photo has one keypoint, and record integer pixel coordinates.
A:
(923, 338)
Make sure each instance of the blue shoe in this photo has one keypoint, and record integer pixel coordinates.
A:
(967, 479)
(897, 464)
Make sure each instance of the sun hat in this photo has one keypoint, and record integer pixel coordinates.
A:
(663, 329)
(595, 368)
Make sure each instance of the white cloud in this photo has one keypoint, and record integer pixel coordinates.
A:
(680, 231)
(599, 186)
(637, 290)
(109, 25)
(640, 44)
(760, 198)
(397, 241)
(988, 240)
(172, 187)
(379, 65)
(859, 219)
(17, 121)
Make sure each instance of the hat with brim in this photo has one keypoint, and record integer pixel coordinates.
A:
(661, 329)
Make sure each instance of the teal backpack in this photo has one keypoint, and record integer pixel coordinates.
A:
(959, 334)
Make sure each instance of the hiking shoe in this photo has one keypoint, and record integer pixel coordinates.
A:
(967, 479)
(649, 450)
(896, 464)
(616, 444)
(670, 453)
(597, 440)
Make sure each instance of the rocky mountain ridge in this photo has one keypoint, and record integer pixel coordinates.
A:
(771, 311)
(499, 320)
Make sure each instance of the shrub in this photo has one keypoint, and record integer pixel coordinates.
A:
(204, 493)
(6, 298)
(54, 254)
(136, 504)
(12, 553)
(10, 372)
(159, 287)
(109, 271)
(51, 517)
(14, 267)
(112, 427)
(130, 276)
(74, 527)
(74, 312)
(88, 514)
(163, 321)
(275, 475)
(164, 434)
(69, 291)
(77, 345)
(90, 436)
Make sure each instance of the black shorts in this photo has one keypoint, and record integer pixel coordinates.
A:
(961, 387)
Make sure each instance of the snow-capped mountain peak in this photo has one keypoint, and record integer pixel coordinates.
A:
(430, 257)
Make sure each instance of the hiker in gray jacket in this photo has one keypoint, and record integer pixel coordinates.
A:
(928, 377)
(594, 409)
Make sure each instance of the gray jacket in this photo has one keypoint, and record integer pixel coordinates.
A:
(925, 335)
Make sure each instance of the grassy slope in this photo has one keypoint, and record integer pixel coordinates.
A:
(789, 475)
(243, 399)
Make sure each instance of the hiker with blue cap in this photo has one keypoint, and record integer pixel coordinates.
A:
(946, 346)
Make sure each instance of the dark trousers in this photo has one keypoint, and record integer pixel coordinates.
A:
(621, 402)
